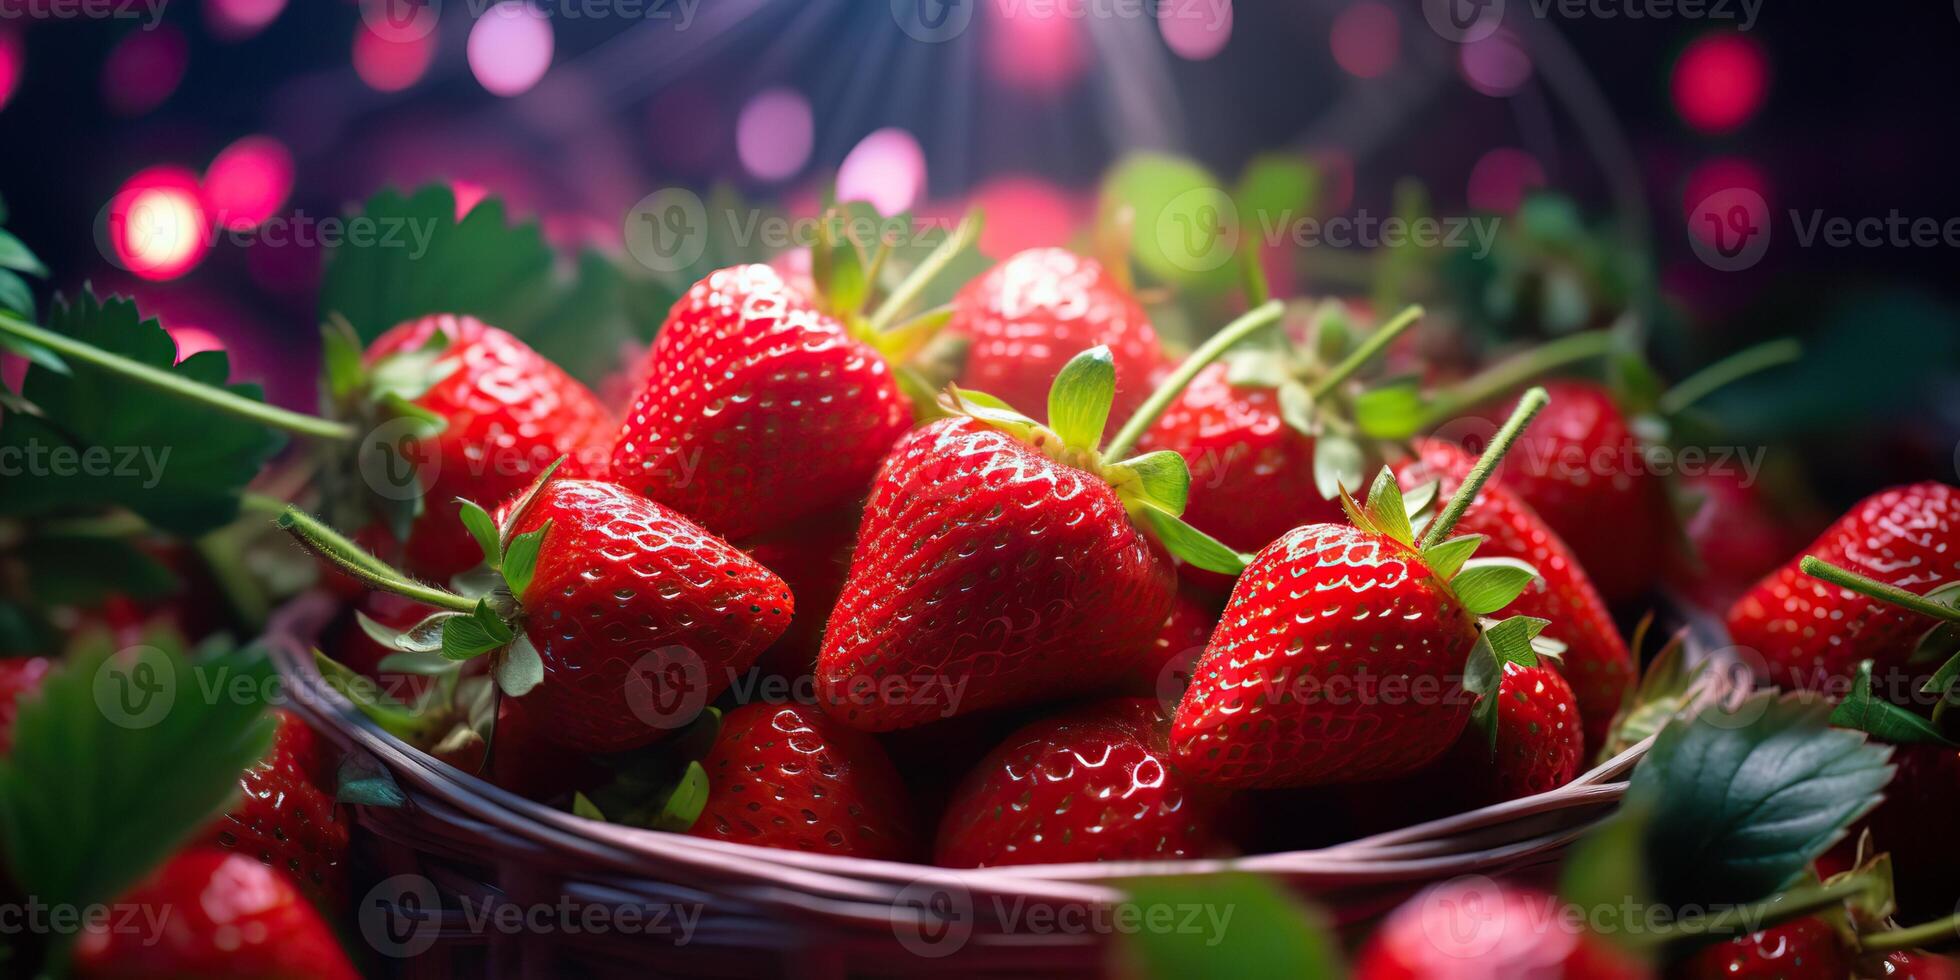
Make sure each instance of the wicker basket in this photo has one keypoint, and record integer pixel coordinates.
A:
(607, 899)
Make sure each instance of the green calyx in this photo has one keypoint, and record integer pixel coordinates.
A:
(1154, 487)
(1940, 643)
(660, 790)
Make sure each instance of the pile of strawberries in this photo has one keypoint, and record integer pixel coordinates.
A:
(1079, 601)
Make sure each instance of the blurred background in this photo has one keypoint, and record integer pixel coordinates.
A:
(1659, 128)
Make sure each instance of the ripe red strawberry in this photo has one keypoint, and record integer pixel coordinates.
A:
(1474, 928)
(1924, 868)
(526, 762)
(1738, 535)
(1812, 634)
(789, 776)
(222, 915)
(1539, 743)
(287, 818)
(509, 413)
(1596, 660)
(1580, 466)
(1028, 315)
(1095, 784)
(813, 559)
(1809, 948)
(1342, 654)
(619, 580)
(20, 677)
(1904, 965)
(761, 409)
(1167, 668)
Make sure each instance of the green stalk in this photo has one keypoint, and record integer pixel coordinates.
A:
(1793, 904)
(1727, 371)
(1374, 345)
(902, 296)
(1849, 579)
(1934, 934)
(1528, 406)
(1530, 365)
(350, 558)
(172, 384)
(1126, 439)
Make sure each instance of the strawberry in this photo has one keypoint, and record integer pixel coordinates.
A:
(1027, 316)
(1596, 660)
(1811, 634)
(1908, 965)
(762, 409)
(221, 915)
(789, 776)
(1580, 468)
(1167, 668)
(1738, 536)
(1095, 784)
(1385, 626)
(525, 761)
(813, 559)
(1004, 562)
(503, 414)
(1924, 868)
(20, 677)
(1800, 949)
(288, 819)
(1473, 928)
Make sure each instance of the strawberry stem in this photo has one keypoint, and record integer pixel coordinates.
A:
(1133, 430)
(1817, 568)
(1793, 904)
(1503, 378)
(1937, 933)
(207, 395)
(357, 562)
(934, 263)
(1473, 484)
(1727, 371)
(1374, 345)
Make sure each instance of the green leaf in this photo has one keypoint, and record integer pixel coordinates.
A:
(366, 695)
(522, 505)
(1394, 411)
(363, 782)
(1160, 480)
(16, 296)
(418, 663)
(1486, 585)
(1445, 558)
(1336, 465)
(1744, 798)
(1943, 640)
(1079, 400)
(1881, 718)
(82, 571)
(685, 804)
(121, 759)
(1181, 226)
(1941, 685)
(1497, 644)
(1605, 874)
(1296, 408)
(423, 637)
(839, 267)
(483, 528)
(1225, 925)
(1385, 509)
(991, 410)
(469, 636)
(519, 668)
(521, 561)
(1192, 545)
(103, 442)
(1510, 639)
(1418, 501)
(582, 806)
(1255, 367)
(16, 256)
(341, 359)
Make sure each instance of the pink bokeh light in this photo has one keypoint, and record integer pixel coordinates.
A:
(1034, 49)
(1366, 39)
(775, 133)
(1196, 31)
(13, 62)
(156, 225)
(1717, 176)
(510, 48)
(236, 20)
(1497, 65)
(1025, 212)
(247, 182)
(144, 69)
(886, 168)
(1720, 81)
(388, 65)
(1501, 178)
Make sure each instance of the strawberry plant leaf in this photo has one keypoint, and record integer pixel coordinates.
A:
(104, 442)
(363, 782)
(18, 257)
(1446, 558)
(519, 668)
(341, 359)
(1296, 409)
(82, 571)
(483, 528)
(1270, 933)
(1080, 398)
(1662, 693)
(1192, 545)
(1159, 479)
(1743, 798)
(1941, 685)
(1420, 500)
(33, 353)
(469, 636)
(423, 637)
(1336, 465)
(1387, 513)
(1486, 585)
(1880, 718)
(365, 694)
(582, 806)
(1396, 410)
(684, 805)
(521, 560)
(122, 758)
(1497, 644)
(1247, 366)
(1605, 873)
(1943, 640)
(419, 663)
